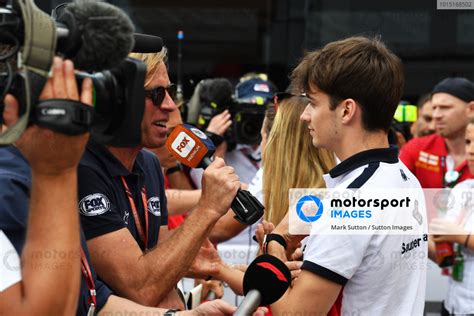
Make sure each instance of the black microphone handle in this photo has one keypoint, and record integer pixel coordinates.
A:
(206, 161)
(250, 303)
(246, 207)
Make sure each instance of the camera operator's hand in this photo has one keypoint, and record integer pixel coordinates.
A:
(49, 152)
(53, 220)
(219, 187)
(220, 123)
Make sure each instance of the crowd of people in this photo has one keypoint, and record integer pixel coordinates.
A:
(88, 228)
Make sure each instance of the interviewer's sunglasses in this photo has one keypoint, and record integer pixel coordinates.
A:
(158, 94)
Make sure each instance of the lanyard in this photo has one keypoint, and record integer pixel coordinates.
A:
(143, 233)
(451, 177)
(86, 272)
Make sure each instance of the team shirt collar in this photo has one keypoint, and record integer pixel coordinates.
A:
(113, 166)
(388, 155)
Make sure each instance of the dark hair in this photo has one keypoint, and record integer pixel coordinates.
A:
(360, 68)
(423, 99)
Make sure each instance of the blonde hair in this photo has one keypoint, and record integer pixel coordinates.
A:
(152, 61)
(291, 160)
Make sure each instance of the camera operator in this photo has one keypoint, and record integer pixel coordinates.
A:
(123, 205)
(47, 283)
(240, 114)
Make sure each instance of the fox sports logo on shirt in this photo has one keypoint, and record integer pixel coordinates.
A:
(94, 204)
(154, 206)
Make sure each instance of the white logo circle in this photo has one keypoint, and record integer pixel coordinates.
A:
(198, 133)
(154, 206)
(94, 204)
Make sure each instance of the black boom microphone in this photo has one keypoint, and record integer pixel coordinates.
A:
(267, 278)
(146, 43)
(193, 148)
(94, 35)
(97, 37)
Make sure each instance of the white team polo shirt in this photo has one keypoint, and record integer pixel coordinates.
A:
(377, 278)
(460, 295)
(10, 273)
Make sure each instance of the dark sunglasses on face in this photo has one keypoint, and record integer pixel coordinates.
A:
(158, 94)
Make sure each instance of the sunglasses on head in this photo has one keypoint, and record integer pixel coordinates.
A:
(280, 96)
(158, 94)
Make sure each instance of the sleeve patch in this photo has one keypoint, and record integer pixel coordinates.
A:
(94, 204)
(154, 206)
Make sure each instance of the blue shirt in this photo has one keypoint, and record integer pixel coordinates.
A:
(103, 203)
(15, 186)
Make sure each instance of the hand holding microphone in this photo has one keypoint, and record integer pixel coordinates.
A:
(193, 148)
(265, 281)
(219, 186)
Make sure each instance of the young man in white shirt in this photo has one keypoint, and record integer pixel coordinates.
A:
(354, 86)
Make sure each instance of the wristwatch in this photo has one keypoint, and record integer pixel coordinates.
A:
(171, 312)
(272, 237)
(174, 169)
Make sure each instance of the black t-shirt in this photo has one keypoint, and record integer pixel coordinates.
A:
(103, 202)
(15, 186)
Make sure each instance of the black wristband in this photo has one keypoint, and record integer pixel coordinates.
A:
(215, 138)
(273, 237)
(171, 312)
(174, 169)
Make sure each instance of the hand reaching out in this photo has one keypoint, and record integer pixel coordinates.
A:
(220, 123)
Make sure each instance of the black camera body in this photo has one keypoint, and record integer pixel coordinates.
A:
(247, 119)
(98, 45)
(119, 104)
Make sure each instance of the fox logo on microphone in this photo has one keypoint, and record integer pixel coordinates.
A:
(183, 144)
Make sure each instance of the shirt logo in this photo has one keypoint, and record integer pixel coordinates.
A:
(404, 176)
(154, 206)
(428, 158)
(125, 217)
(94, 204)
(198, 133)
(261, 87)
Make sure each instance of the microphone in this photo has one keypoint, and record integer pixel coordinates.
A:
(94, 35)
(191, 147)
(145, 43)
(267, 278)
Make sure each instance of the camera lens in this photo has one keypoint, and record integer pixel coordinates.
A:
(250, 129)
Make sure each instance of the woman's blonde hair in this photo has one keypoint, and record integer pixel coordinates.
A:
(291, 160)
(152, 61)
